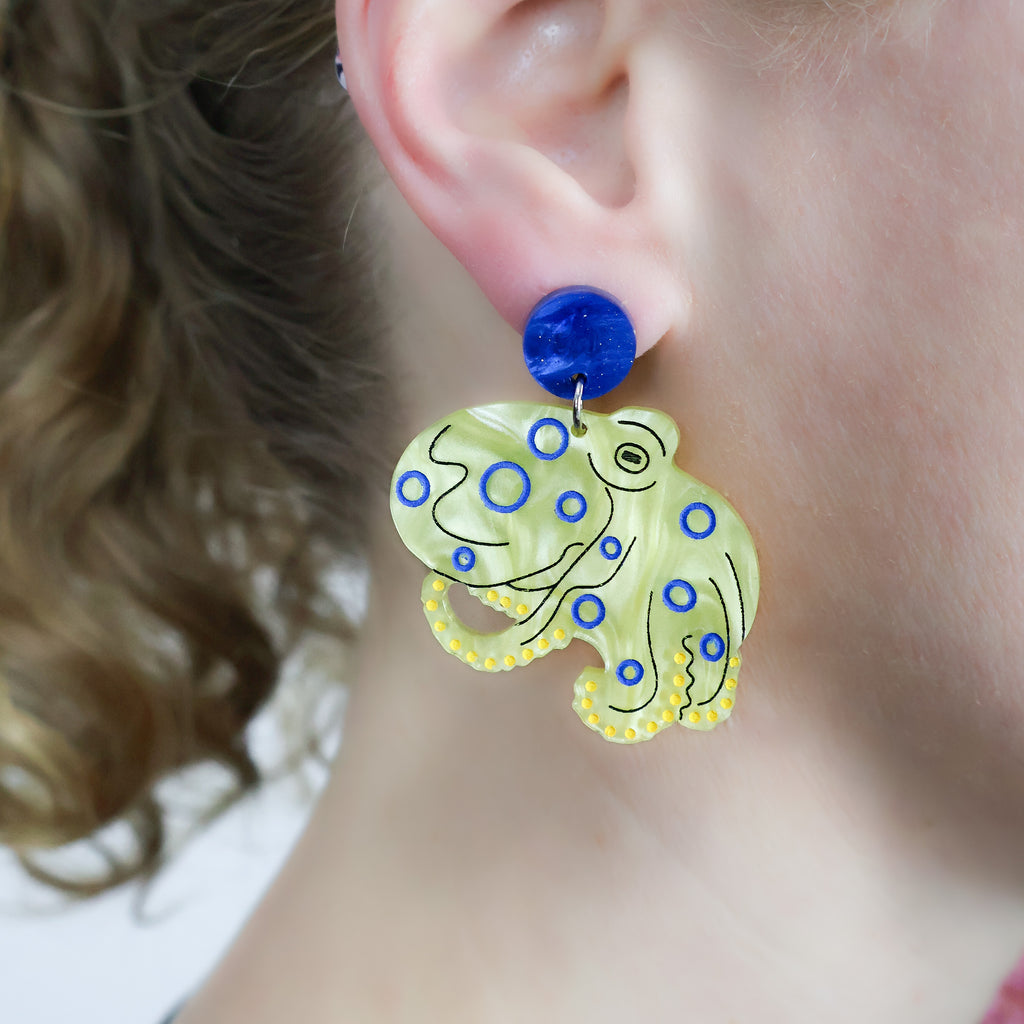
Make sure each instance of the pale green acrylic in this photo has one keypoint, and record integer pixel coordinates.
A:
(533, 565)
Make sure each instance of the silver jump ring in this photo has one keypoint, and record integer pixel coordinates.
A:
(579, 428)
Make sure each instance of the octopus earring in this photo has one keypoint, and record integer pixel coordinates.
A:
(583, 529)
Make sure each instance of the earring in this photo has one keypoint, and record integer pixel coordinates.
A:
(583, 529)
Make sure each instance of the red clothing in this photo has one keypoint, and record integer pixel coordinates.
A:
(1009, 1005)
(1007, 1009)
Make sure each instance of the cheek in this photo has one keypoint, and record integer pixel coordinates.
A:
(884, 305)
(864, 299)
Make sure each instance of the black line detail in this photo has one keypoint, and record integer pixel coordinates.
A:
(728, 649)
(536, 572)
(689, 672)
(455, 486)
(739, 592)
(632, 490)
(581, 586)
(554, 586)
(654, 665)
(472, 587)
(650, 643)
(650, 430)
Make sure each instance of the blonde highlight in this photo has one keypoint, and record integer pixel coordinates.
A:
(191, 393)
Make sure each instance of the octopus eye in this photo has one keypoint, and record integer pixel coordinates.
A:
(632, 457)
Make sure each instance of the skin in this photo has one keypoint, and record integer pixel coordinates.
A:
(839, 218)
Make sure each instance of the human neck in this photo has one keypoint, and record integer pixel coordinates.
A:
(480, 857)
(761, 871)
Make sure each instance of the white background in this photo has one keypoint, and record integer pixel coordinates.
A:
(95, 963)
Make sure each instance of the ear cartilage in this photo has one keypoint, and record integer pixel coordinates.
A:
(592, 534)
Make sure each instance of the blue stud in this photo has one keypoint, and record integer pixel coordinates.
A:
(578, 332)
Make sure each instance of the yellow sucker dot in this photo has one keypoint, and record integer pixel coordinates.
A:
(666, 715)
(630, 734)
(593, 719)
(489, 663)
(727, 703)
(438, 585)
(471, 656)
(559, 634)
(506, 602)
(455, 645)
(609, 731)
(587, 703)
(712, 716)
(590, 686)
(492, 595)
(440, 627)
(652, 726)
(694, 716)
(431, 605)
(521, 609)
(730, 684)
(678, 681)
(543, 644)
(528, 654)
(680, 658)
(509, 660)
(675, 699)
(733, 662)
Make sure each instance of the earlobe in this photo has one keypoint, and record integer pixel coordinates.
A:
(508, 129)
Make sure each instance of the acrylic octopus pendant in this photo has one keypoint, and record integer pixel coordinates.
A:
(599, 537)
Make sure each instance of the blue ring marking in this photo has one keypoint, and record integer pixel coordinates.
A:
(570, 517)
(697, 506)
(637, 668)
(671, 604)
(412, 474)
(611, 548)
(485, 479)
(705, 644)
(531, 439)
(463, 559)
(579, 602)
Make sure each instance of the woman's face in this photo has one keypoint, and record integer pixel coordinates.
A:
(850, 223)
(837, 191)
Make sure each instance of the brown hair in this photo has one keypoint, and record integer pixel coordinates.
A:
(189, 386)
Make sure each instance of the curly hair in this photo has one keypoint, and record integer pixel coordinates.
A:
(191, 385)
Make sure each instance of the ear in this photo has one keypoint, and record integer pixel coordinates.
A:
(517, 133)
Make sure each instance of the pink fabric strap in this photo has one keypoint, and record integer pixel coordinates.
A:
(1009, 1005)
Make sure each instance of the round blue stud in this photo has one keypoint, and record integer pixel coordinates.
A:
(578, 332)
